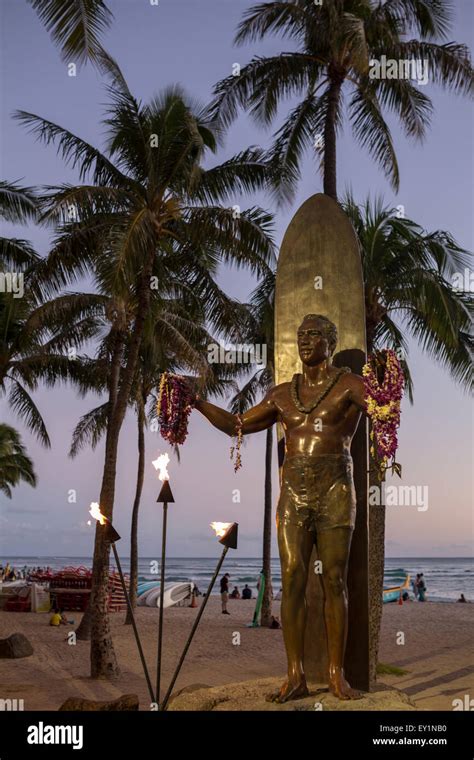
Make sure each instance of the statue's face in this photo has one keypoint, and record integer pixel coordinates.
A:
(313, 346)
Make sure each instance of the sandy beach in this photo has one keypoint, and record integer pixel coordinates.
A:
(437, 654)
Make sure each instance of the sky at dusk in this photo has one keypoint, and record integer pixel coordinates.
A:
(190, 42)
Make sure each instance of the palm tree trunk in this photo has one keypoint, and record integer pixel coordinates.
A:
(136, 507)
(330, 173)
(266, 617)
(102, 655)
(84, 629)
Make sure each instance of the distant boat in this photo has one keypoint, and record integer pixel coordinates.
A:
(174, 594)
(393, 594)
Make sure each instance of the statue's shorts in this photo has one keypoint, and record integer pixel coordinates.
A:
(318, 492)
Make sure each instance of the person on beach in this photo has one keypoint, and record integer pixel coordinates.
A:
(246, 592)
(225, 593)
(235, 594)
(58, 618)
(463, 599)
(55, 618)
(414, 585)
(421, 588)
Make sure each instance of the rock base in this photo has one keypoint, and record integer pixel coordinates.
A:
(126, 702)
(250, 695)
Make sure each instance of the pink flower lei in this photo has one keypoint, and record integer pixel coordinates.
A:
(383, 401)
(175, 403)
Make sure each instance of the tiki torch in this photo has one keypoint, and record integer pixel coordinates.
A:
(227, 533)
(165, 497)
(111, 536)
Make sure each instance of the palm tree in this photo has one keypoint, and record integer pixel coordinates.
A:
(15, 464)
(149, 200)
(408, 288)
(33, 348)
(408, 292)
(18, 205)
(260, 331)
(336, 41)
(170, 324)
(75, 26)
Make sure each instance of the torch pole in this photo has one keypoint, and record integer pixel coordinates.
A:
(162, 597)
(134, 625)
(164, 704)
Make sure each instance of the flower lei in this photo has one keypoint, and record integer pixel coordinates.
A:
(174, 407)
(235, 448)
(383, 402)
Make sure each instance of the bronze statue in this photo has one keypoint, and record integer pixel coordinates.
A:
(319, 411)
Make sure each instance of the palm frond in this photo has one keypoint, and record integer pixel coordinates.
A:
(75, 26)
(89, 430)
(372, 132)
(22, 403)
(17, 204)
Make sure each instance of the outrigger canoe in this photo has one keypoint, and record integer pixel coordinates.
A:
(393, 594)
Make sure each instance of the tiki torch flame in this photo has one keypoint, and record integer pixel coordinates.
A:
(161, 464)
(220, 528)
(96, 513)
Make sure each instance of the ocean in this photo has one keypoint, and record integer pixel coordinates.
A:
(445, 577)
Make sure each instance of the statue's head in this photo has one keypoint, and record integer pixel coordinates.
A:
(317, 339)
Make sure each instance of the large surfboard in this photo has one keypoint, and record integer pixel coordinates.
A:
(319, 271)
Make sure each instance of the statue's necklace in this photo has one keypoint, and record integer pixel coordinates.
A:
(330, 384)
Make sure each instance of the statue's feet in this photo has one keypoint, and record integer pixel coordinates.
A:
(341, 688)
(293, 688)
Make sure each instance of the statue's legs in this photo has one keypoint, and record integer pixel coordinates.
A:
(333, 551)
(295, 545)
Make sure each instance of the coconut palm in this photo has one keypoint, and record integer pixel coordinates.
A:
(75, 26)
(148, 199)
(34, 343)
(259, 330)
(15, 464)
(408, 293)
(18, 205)
(335, 42)
(408, 280)
(170, 324)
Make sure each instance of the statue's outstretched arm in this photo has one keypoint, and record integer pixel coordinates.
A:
(259, 417)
